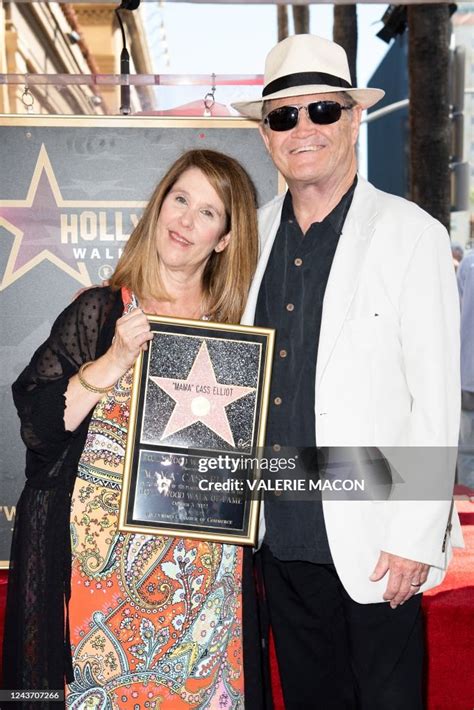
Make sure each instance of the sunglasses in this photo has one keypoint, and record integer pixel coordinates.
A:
(320, 112)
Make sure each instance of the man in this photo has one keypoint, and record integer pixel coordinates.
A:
(457, 253)
(466, 439)
(360, 287)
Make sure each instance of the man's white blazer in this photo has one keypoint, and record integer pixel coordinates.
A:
(387, 374)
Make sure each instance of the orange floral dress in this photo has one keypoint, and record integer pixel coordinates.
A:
(156, 622)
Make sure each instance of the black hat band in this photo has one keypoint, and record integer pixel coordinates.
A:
(303, 79)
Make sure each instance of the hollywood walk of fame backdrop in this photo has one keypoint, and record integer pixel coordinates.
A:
(72, 190)
(200, 393)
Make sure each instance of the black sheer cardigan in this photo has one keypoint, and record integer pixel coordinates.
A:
(37, 652)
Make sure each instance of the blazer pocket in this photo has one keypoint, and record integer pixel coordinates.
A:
(370, 330)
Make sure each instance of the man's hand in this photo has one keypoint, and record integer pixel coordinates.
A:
(404, 579)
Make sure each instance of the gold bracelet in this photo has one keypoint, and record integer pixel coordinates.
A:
(87, 385)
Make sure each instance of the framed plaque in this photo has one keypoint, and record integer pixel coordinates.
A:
(197, 421)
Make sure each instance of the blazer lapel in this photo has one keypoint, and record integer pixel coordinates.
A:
(269, 221)
(346, 269)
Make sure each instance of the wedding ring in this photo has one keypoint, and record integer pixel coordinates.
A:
(413, 584)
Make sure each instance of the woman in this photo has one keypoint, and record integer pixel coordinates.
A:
(152, 621)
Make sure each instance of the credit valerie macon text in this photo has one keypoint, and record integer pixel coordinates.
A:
(228, 464)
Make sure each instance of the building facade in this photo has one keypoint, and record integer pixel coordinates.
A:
(57, 39)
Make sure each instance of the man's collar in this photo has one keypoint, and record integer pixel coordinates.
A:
(335, 218)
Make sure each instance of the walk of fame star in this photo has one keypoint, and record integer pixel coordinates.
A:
(200, 398)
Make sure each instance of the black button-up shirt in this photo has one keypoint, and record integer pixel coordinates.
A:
(291, 300)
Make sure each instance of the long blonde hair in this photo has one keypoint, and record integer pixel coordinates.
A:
(227, 274)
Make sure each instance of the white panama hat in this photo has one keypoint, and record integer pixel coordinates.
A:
(306, 64)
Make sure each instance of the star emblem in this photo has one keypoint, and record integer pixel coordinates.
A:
(35, 223)
(200, 398)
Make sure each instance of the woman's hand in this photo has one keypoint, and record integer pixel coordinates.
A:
(132, 333)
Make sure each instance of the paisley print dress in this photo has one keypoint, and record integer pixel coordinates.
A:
(155, 621)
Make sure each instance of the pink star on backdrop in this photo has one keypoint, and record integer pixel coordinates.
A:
(35, 223)
(201, 399)
(39, 224)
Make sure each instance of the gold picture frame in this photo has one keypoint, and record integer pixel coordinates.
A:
(197, 421)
